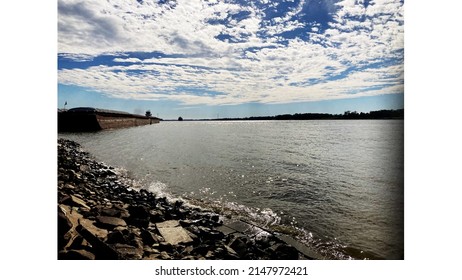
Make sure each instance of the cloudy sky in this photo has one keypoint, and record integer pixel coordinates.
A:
(200, 59)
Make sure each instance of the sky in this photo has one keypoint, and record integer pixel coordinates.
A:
(208, 59)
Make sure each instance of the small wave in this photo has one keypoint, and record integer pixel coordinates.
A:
(159, 189)
(265, 218)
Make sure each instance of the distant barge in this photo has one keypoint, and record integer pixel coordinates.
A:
(92, 119)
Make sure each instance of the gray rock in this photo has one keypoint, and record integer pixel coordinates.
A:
(188, 250)
(149, 250)
(139, 212)
(215, 218)
(156, 216)
(225, 230)
(69, 186)
(238, 244)
(165, 256)
(76, 255)
(148, 237)
(75, 201)
(136, 242)
(76, 243)
(116, 237)
(110, 222)
(112, 212)
(175, 235)
(102, 251)
(201, 250)
(140, 223)
(72, 175)
(165, 246)
(152, 257)
(301, 248)
(283, 251)
(192, 235)
(64, 225)
(86, 213)
(187, 223)
(230, 253)
(128, 251)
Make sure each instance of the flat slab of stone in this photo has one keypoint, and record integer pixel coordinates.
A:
(173, 233)
(76, 218)
(303, 249)
(99, 232)
(225, 230)
(78, 202)
(110, 222)
(168, 224)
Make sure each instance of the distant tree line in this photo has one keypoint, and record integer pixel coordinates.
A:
(348, 115)
(382, 114)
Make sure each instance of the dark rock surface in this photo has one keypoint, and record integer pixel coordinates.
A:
(110, 222)
(100, 216)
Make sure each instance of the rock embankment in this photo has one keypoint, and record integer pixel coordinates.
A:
(100, 216)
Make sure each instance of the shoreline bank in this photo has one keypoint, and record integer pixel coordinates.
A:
(100, 216)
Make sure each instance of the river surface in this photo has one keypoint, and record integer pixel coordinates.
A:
(336, 185)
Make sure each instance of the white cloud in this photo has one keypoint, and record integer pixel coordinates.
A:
(333, 63)
(127, 60)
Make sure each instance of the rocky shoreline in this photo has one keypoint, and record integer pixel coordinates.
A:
(100, 216)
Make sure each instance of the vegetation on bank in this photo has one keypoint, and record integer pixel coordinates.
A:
(348, 115)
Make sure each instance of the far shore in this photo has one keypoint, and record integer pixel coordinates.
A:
(348, 115)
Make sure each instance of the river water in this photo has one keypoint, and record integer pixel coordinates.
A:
(336, 185)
